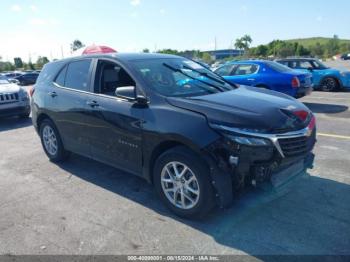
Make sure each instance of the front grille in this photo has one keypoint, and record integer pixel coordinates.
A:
(8, 98)
(294, 146)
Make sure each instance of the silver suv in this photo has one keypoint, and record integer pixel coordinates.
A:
(14, 100)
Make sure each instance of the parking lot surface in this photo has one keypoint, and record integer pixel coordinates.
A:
(84, 207)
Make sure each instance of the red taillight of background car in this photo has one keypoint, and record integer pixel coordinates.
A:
(295, 82)
(302, 114)
(312, 123)
(31, 91)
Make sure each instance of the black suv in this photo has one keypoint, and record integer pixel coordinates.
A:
(198, 139)
(27, 78)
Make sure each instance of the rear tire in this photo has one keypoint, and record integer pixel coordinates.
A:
(187, 191)
(51, 142)
(329, 84)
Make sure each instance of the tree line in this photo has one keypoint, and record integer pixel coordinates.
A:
(18, 64)
(279, 48)
(276, 48)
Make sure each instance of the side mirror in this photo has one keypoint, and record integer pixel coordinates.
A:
(141, 100)
(310, 69)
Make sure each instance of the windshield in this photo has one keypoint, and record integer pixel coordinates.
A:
(179, 77)
(3, 81)
(278, 67)
(319, 65)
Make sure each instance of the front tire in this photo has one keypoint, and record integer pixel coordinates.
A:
(329, 84)
(183, 183)
(51, 142)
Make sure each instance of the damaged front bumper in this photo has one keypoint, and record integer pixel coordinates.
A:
(234, 166)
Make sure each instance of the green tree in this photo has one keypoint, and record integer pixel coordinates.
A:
(247, 40)
(168, 51)
(317, 50)
(243, 43)
(77, 44)
(6, 66)
(261, 51)
(239, 44)
(302, 51)
(332, 45)
(42, 60)
(206, 57)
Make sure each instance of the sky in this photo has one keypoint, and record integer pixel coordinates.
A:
(30, 28)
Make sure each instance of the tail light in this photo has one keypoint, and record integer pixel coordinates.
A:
(312, 123)
(295, 82)
(302, 114)
(31, 91)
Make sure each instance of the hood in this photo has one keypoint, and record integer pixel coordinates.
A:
(9, 88)
(247, 107)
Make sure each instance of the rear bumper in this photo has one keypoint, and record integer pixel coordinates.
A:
(303, 91)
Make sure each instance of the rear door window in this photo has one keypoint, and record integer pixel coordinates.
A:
(78, 75)
(225, 70)
(246, 69)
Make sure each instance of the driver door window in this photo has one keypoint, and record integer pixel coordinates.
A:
(113, 80)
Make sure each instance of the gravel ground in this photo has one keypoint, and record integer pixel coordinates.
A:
(84, 207)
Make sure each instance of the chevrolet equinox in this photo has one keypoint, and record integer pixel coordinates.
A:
(197, 138)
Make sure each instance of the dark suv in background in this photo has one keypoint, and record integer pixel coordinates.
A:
(195, 137)
(27, 79)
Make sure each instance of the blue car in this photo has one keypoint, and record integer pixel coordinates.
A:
(267, 74)
(324, 78)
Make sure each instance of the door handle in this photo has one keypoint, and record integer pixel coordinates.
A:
(92, 103)
(251, 79)
(52, 94)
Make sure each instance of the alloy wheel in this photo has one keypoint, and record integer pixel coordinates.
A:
(50, 140)
(329, 84)
(180, 185)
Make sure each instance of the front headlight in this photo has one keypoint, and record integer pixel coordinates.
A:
(23, 94)
(249, 141)
(243, 136)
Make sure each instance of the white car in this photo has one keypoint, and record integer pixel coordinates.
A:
(14, 100)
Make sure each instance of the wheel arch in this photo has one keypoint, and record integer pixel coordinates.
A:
(157, 151)
(41, 118)
(336, 78)
(262, 85)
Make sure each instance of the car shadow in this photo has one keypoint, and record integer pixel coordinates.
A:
(326, 108)
(309, 216)
(14, 123)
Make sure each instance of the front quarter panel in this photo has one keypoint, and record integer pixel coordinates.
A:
(164, 123)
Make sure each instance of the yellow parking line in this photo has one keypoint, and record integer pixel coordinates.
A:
(335, 136)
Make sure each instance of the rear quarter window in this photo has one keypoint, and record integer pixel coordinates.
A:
(49, 72)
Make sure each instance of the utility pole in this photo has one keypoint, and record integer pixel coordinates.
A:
(62, 51)
(215, 43)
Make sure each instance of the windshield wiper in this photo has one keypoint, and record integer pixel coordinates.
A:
(217, 78)
(193, 78)
(205, 74)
